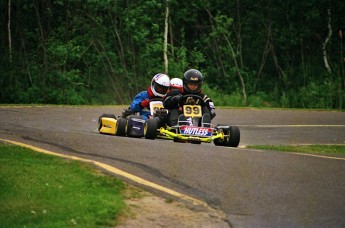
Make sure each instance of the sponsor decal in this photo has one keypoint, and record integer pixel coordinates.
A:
(197, 131)
(138, 120)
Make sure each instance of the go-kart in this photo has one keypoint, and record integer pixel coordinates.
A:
(195, 127)
(132, 124)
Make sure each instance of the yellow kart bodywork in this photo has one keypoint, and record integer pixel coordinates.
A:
(170, 134)
(107, 125)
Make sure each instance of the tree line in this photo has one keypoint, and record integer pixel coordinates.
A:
(284, 53)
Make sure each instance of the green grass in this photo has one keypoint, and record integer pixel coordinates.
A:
(38, 190)
(310, 149)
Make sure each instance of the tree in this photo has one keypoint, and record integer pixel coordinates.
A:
(9, 32)
(327, 39)
(107, 51)
(166, 27)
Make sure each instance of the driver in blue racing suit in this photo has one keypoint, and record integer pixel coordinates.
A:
(192, 83)
(159, 87)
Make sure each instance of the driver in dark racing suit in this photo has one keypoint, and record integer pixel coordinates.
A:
(192, 83)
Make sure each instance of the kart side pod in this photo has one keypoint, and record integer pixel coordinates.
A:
(107, 125)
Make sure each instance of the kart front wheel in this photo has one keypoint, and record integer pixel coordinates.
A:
(150, 128)
(235, 136)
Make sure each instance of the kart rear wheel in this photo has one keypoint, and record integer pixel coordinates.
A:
(121, 127)
(150, 128)
(234, 139)
(218, 142)
(231, 137)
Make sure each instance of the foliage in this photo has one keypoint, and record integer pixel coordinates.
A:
(256, 53)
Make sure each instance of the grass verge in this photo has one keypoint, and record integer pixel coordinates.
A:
(38, 190)
(310, 149)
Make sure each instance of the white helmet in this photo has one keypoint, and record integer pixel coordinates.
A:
(160, 85)
(176, 83)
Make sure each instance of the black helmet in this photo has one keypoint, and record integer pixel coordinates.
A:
(192, 77)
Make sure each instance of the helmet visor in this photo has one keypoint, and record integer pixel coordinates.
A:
(160, 88)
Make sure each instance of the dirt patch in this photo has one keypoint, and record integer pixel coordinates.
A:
(147, 210)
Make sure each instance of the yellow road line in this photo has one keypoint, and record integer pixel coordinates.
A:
(117, 172)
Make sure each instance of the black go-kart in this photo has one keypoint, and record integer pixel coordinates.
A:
(194, 126)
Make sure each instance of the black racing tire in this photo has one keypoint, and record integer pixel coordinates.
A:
(218, 142)
(100, 119)
(235, 136)
(161, 122)
(150, 128)
(232, 137)
(121, 127)
(130, 124)
(108, 115)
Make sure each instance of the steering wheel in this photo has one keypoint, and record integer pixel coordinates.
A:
(197, 99)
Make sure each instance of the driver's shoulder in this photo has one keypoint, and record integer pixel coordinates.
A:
(204, 96)
(173, 92)
(141, 94)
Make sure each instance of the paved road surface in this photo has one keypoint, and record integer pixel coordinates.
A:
(255, 188)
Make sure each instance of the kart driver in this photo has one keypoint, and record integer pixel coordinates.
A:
(192, 83)
(158, 89)
(176, 83)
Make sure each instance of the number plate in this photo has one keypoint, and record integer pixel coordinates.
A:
(154, 105)
(192, 111)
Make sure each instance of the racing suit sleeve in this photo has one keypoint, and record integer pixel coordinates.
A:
(135, 105)
(209, 105)
(169, 101)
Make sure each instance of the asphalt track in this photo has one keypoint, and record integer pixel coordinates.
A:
(254, 188)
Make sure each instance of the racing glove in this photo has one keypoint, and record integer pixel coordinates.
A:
(212, 108)
(176, 99)
(145, 103)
